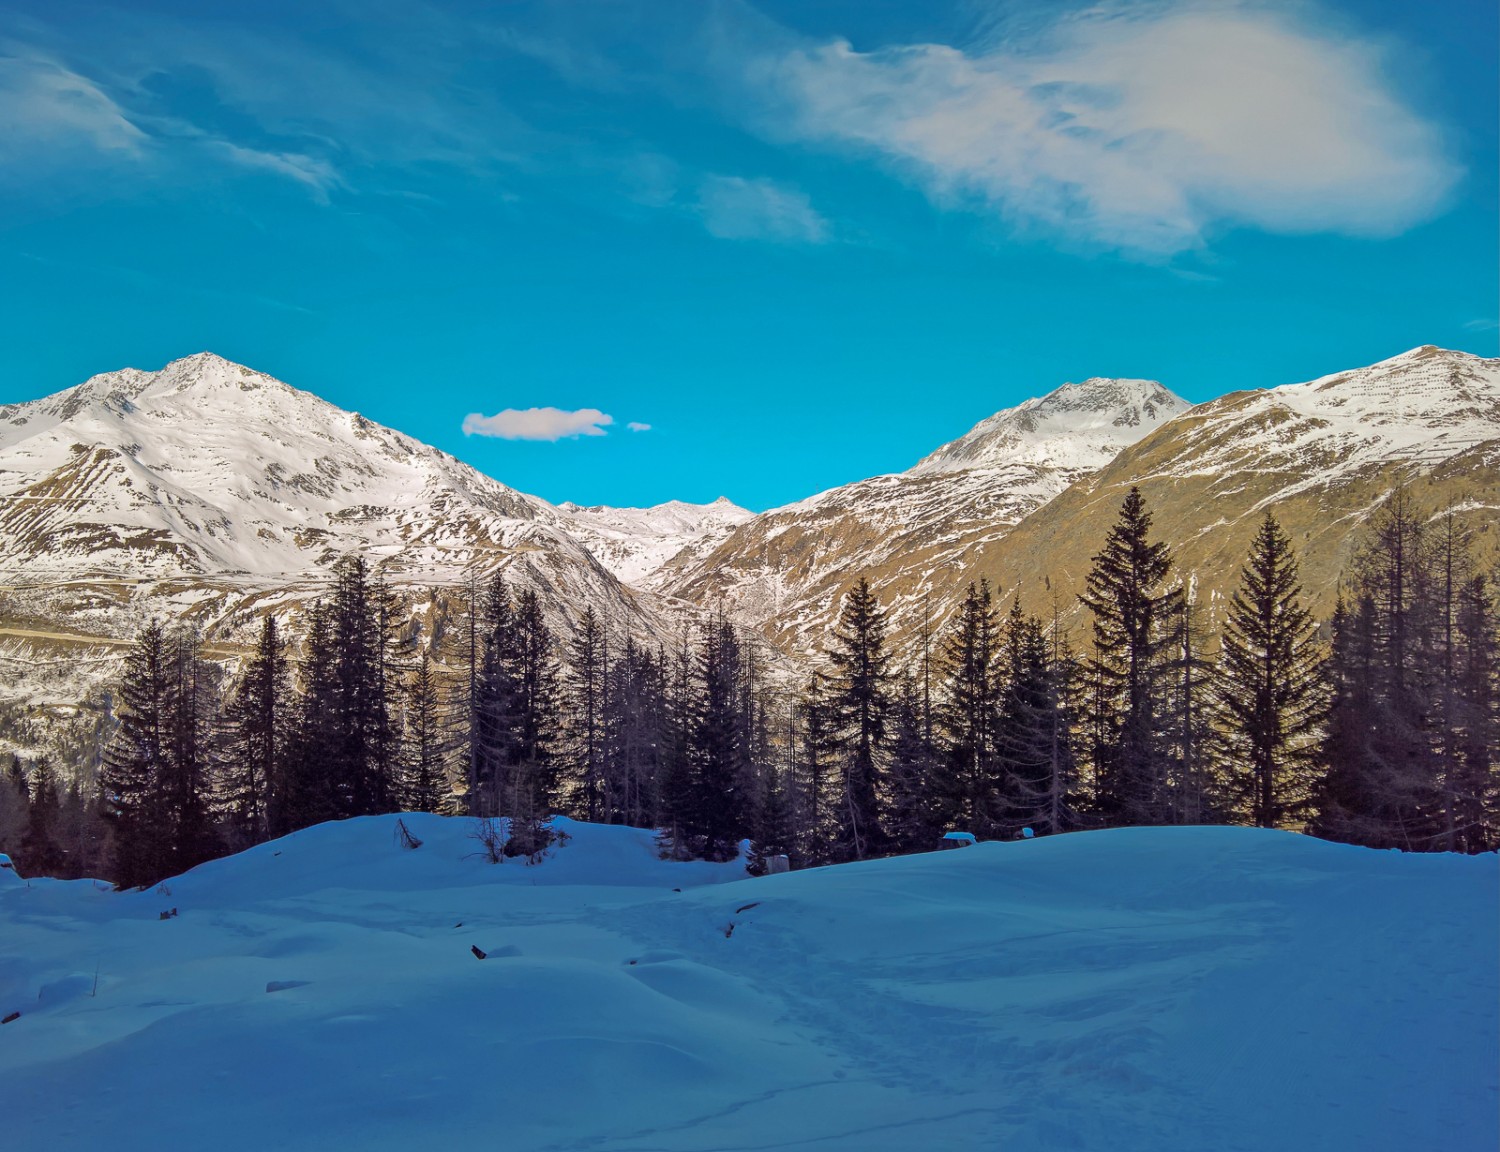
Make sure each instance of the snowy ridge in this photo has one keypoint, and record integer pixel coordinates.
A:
(787, 569)
(1079, 427)
(212, 490)
(1133, 990)
(634, 542)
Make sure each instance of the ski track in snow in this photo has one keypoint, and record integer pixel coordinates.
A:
(1135, 989)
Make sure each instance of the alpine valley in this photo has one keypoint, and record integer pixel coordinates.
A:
(212, 493)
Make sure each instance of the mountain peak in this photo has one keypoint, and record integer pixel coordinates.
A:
(1076, 426)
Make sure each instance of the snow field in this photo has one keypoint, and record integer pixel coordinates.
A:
(1142, 988)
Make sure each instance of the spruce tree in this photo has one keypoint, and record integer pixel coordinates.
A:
(259, 718)
(587, 699)
(182, 786)
(1269, 689)
(859, 699)
(968, 715)
(1035, 749)
(41, 853)
(916, 815)
(720, 747)
(424, 784)
(135, 758)
(307, 794)
(1136, 633)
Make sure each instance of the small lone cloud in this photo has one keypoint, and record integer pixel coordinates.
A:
(733, 208)
(637, 426)
(538, 424)
(1483, 324)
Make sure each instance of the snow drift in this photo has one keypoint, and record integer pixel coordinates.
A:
(1154, 988)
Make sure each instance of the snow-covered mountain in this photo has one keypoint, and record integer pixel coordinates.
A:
(634, 543)
(787, 569)
(211, 489)
(1321, 455)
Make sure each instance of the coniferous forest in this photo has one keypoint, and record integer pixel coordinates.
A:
(1379, 727)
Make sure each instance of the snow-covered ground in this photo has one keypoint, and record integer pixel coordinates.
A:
(1153, 989)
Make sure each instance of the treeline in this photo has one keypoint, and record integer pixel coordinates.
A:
(1380, 727)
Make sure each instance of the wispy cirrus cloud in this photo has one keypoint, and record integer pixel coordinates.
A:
(1136, 126)
(47, 109)
(737, 208)
(637, 426)
(539, 424)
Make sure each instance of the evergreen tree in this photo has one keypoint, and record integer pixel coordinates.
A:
(859, 701)
(720, 747)
(535, 728)
(1136, 631)
(916, 815)
(1269, 691)
(587, 695)
(259, 718)
(635, 737)
(15, 804)
(1035, 750)
(424, 784)
(136, 757)
(307, 794)
(182, 785)
(1472, 791)
(41, 854)
(968, 716)
(1384, 785)
(817, 781)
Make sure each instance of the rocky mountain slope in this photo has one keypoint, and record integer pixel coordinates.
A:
(1321, 455)
(786, 571)
(212, 491)
(634, 543)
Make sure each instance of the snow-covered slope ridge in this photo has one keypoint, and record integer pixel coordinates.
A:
(210, 467)
(1148, 989)
(634, 542)
(1078, 427)
(788, 568)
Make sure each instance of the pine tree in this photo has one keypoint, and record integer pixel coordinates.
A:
(916, 814)
(307, 792)
(1384, 785)
(135, 758)
(15, 804)
(1035, 751)
(41, 853)
(968, 716)
(536, 708)
(182, 786)
(424, 783)
(859, 699)
(1137, 618)
(588, 686)
(817, 781)
(720, 747)
(1269, 690)
(1472, 789)
(259, 717)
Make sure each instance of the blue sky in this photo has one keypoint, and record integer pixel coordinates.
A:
(803, 241)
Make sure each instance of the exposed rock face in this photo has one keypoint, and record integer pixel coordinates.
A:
(787, 570)
(1320, 455)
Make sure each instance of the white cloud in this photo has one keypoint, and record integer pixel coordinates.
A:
(1136, 126)
(318, 175)
(637, 426)
(45, 107)
(734, 208)
(1482, 324)
(538, 423)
